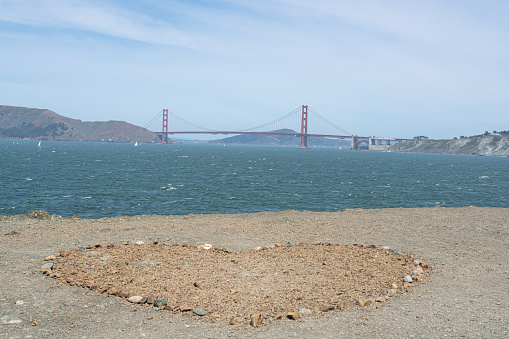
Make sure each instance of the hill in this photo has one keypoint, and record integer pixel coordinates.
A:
(33, 123)
(254, 139)
(479, 145)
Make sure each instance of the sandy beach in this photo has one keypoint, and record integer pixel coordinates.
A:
(466, 294)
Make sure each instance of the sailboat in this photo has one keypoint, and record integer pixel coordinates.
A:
(136, 143)
(39, 145)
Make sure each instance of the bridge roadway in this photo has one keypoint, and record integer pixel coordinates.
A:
(296, 134)
(372, 143)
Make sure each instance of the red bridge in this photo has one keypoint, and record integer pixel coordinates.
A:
(298, 116)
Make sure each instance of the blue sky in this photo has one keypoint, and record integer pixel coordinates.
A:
(384, 68)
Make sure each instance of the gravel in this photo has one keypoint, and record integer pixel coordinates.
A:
(466, 296)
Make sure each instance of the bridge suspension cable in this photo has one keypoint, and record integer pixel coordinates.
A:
(189, 123)
(272, 122)
(154, 119)
(330, 123)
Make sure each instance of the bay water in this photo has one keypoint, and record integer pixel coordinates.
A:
(96, 180)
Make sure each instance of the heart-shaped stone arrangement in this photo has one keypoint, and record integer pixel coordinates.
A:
(255, 285)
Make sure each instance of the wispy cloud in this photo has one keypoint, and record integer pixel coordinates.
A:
(387, 60)
(94, 16)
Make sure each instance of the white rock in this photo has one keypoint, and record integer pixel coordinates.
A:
(305, 311)
(135, 299)
(207, 246)
(408, 279)
(139, 242)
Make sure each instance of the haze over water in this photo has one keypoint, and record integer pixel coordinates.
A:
(96, 180)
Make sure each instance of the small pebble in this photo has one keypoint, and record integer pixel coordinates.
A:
(417, 262)
(135, 299)
(139, 242)
(305, 311)
(199, 312)
(293, 315)
(415, 272)
(47, 265)
(408, 279)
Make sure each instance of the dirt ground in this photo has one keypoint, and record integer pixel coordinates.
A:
(466, 294)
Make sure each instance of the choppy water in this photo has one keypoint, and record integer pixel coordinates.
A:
(107, 179)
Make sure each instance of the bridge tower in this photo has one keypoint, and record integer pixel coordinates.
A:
(165, 127)
(304, 128)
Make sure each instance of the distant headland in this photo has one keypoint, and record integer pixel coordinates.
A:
(44, 124)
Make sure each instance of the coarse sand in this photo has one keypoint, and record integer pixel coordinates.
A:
(337, 265)
(235, 286)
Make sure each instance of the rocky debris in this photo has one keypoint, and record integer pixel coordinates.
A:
(200, 312)
(160, 302)
(47, 265)
(408, 279)
(12, 233)
(256, 320)
(150, 299)
(185, 308)
(305, 311)
(64, 253)
(128, 272)
(294, 315)
(326, 308)
(363, 302)
(136, 299)
(392, 292)
(9, 318)
(345, 305)
(39, 215)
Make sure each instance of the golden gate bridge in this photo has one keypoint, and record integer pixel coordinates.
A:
(298, 119)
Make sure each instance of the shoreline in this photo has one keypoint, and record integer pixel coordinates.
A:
(467, 247)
